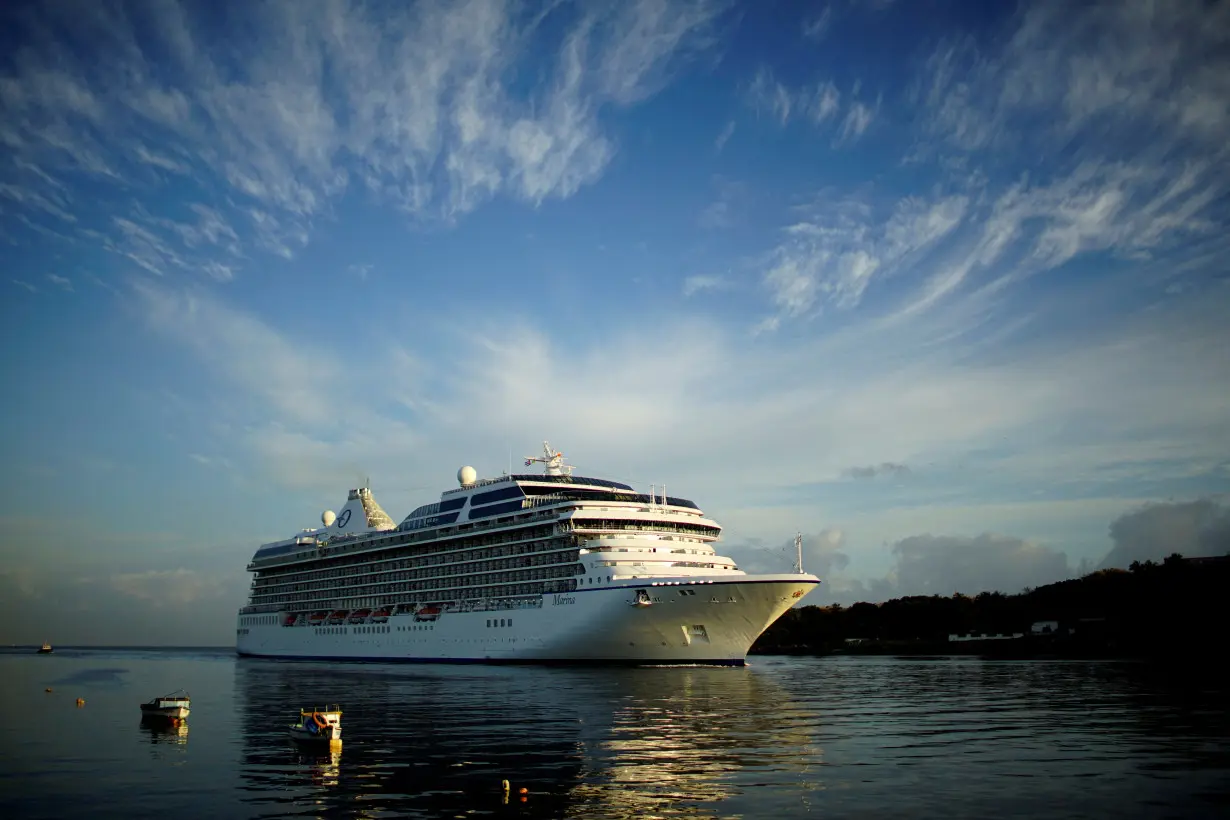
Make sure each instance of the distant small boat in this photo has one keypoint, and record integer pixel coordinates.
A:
(318, 725)
(168, 707)
(45, 649)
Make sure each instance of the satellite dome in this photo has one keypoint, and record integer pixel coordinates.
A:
(327, 518)
(466, 476)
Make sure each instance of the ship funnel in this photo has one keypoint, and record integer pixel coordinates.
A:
(361, 514)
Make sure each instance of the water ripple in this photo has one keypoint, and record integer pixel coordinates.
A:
(786, 737)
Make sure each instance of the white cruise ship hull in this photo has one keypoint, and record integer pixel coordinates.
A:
(694, 620)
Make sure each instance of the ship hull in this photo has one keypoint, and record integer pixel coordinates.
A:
(696, 620)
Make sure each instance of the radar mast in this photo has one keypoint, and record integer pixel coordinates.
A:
(554, 461)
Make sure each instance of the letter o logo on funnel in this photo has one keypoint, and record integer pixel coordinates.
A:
(343, 519)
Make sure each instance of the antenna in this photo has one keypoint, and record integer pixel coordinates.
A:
(798, 553)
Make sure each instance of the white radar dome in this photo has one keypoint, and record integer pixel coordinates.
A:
(467, 476)
(327, 518)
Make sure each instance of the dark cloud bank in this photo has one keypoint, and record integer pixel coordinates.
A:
(944, 564)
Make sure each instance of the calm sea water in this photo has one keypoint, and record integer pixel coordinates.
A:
(848, 737)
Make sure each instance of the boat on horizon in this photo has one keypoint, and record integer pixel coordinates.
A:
(45, 649)
(520, 568)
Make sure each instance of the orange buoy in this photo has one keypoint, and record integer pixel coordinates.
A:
(81, 701)
(523, 790)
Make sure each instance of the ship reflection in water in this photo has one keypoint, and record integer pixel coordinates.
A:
(438, 740)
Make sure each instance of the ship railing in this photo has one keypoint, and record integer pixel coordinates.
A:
(356, 542)
(499, 604)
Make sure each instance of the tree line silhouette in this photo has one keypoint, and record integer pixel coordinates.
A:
(1150, 609)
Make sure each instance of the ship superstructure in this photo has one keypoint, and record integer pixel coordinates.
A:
(523, 567)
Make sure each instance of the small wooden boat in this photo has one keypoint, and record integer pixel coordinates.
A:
(318, 725)
(168, 707)
(45, 649)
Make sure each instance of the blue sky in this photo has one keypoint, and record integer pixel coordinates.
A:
(940, 285)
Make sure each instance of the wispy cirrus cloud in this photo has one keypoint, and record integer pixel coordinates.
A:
(832, 254)
(815, 104)
(1153, 76)
(419, 107)
(1158, 192)
(817, 27)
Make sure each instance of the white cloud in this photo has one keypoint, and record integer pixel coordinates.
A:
(835, 251)
(817, 27)
(159, 161)
(701, 282)
(166, 587)
(727, 132)
(816, 103)
(887, 468)
(884, 395)
(943, 565)
(61, 282)
(54, 202)
(1133, 72)
(243, 350)
(1154, 531)
(730, 198)
(416, 105)
(857, 120)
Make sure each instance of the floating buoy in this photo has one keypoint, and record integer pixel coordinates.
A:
(81, 701)
(523, 790)
(48, 689)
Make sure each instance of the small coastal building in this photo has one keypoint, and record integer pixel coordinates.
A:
(1044, 628)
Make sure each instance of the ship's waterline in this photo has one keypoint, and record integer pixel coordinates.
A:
(520, 568)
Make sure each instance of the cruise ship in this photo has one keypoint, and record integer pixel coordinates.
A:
(529, 568)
